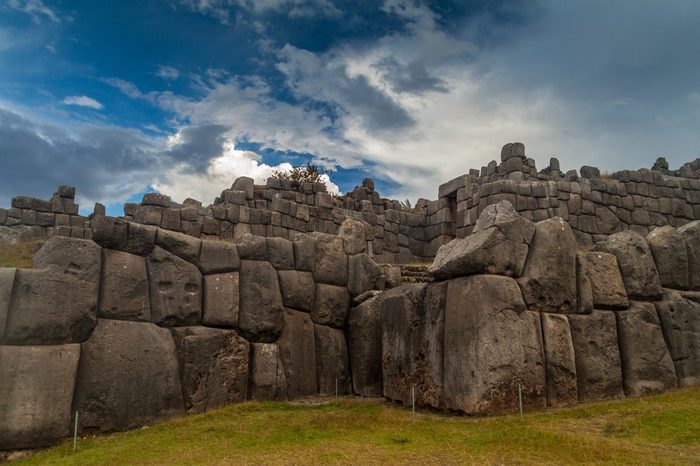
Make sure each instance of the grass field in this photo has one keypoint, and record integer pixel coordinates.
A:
(18, 255)
(663, 429)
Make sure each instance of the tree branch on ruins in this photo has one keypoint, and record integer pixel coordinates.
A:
(575, 288)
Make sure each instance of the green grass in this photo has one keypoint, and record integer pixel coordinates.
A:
(657, 430)
(19, 255)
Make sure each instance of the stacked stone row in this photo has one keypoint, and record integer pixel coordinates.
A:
(144, 323)
(517, 303)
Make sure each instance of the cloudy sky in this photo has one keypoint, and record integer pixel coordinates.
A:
(183, 96)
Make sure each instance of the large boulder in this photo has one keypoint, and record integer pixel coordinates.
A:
(498, 245)
(691, 235)
(128, 376)
(7, 281)
(492, 344)
(36, 392)
(298, 289)
(175, 289)
(298, 353)
(331, 305)
(218, 257)
(548, 282)
(332, 363)
(363, 275)
(607, 287)
(330, 261)
(365, 342)
(636, 264)
(647, 367)
(124, 292)
(267, 380)
(560, 361)
(352, 232)
(221, 300)
(671, 257)
(213, 367)
(679, 314)
(598, 367)
(260, 313)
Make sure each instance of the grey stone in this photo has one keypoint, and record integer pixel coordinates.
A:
(606, 282)
(647, 367)
(221, 300)
(183, 246)
(670, 256)
(218, 257)
(691, 234)
(560, 362)
(598, 367)
(298, 353)
(491, 345)
(331, 305)
(260, 316)
(36, 392)
(365, 347)
(636, 264)
(352, 233)
(124, 291)
(175, 289)
(330, 261)
(332, 363)
(267, 380)
(298, 289)
(548, 281)
(363, 275)
(280, 253)
(213, 367)
(679, 314)
(7, 281)
(245, 184)
(128, 376)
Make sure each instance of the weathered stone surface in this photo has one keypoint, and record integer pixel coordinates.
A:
(128, 376)
(636, 264)
(352, 232)
(183, 246)
(332, 363)
(365, 342)
(7, 280)
(218, 257)
(213, 367)
(296, 346)
(36, 392)
(124, 292)
(548, 282)
(298, 289)
(260, 316)
(221, 300)
(280, 253)
(647, 367)
(691, 235)
(245, 184)
(491, 345)
(559, 361)
(606, 282)
(679, 314)
(598, 367)
(175, 289)
(498, 245)
(330, 261)
(267, 380)
(363, 274)
(331, 305)
(670, 254)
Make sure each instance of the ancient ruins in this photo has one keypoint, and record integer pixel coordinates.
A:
(575, 286)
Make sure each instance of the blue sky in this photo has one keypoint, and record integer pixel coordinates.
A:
(183, 96)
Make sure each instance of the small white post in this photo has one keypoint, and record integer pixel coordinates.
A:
(520, 400)
(75, 432)
(413, 402)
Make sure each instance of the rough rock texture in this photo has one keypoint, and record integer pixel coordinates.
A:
(679, 314)
(670, 256)
(365, 342)
(36, 391)
(636, 264)
(606, 283)
(559, 359)
(363, 274)
(267, 380)
(491, 345)
(128, 376)
(213, 367)
(598, 368)
(176, 289)
(7, 280)
(647, 367)
(124, 292)
(331, 305)
(330, 261)
(498, 245)
(691, 235)
(332, 363)
(548, 282)
(352, 232)
(260, 316)
(298, 353)
(221, 300)
(298, 289)
(218, 257)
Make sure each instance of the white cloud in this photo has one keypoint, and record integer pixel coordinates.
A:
(168, 73)
(83, 101)
(35, 8)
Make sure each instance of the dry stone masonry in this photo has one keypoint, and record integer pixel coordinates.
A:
(282, 291)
